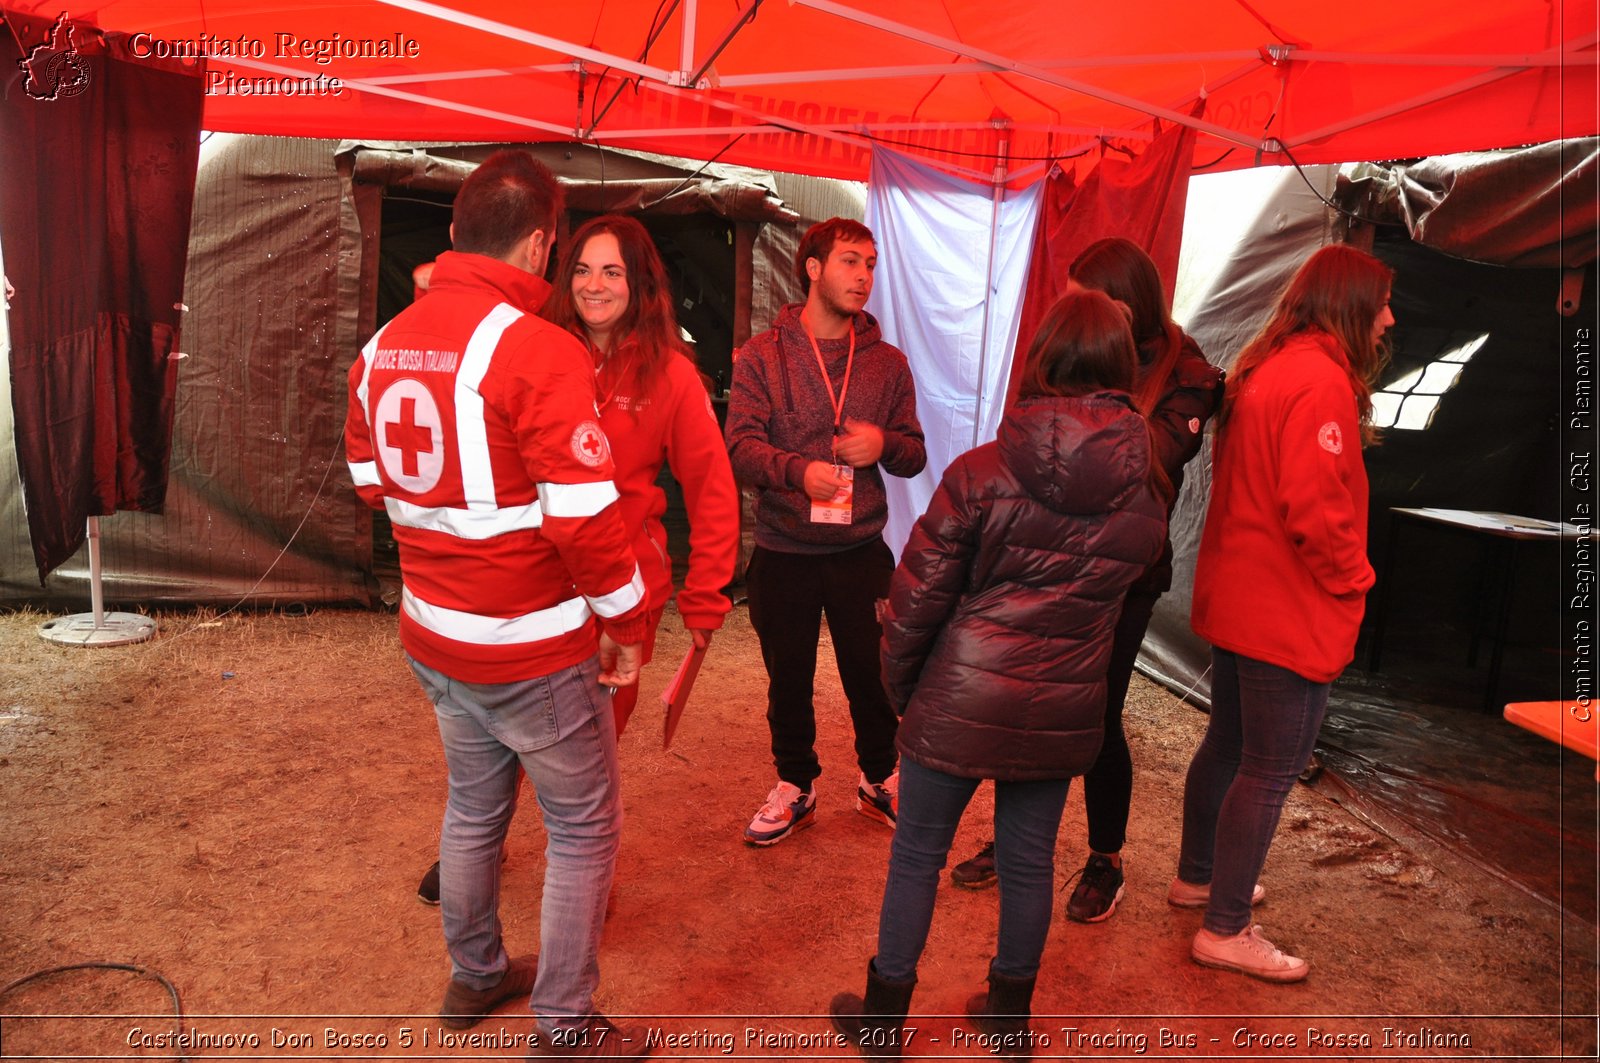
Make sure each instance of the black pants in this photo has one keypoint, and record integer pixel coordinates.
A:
(789, 593)
(1108, 786)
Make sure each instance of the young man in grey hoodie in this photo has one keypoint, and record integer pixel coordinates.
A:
(820, 408)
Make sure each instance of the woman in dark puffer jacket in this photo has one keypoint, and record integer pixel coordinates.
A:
(995, 646)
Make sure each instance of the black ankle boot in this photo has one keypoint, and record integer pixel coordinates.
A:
(1003, 1013)
(873, 1022)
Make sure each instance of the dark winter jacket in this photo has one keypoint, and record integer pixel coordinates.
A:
(1177, 428)
(1001, 613)
(780, 419)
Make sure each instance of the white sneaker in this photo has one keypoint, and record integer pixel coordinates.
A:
(787, 810)
(879, 801)
(1247, 952)
(1183, 894)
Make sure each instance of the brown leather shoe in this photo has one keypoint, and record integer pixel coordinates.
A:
(464, 1008)
(595, 1039)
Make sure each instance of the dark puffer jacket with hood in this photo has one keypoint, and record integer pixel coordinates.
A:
(1002, 610)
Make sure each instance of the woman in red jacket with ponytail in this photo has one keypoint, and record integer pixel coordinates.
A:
(1280, 584)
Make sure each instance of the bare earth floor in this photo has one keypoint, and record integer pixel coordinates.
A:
(243, 806)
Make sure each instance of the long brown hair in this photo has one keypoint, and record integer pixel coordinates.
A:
(1340, 291)
(648, 326)
(1083, 344)
(1122, 270)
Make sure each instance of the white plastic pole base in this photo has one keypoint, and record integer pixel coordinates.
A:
(113, 629)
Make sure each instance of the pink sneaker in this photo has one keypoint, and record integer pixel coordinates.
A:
(1183, 894)
(1247, 952)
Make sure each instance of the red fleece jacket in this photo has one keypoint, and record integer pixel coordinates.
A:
(675, 425)
(1282, 573)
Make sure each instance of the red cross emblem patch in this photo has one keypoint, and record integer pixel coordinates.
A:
(589, 445)
(1329, 438)
(410, 435)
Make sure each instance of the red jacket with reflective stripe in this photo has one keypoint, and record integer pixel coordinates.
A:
(473, 423)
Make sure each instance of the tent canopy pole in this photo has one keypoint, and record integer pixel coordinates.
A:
(999, 194)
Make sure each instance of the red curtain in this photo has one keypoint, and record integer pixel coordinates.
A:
(100, 157)
(1140, 198)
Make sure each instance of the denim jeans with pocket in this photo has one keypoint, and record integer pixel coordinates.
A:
(560, 729)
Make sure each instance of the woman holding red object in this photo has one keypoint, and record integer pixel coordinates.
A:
(611, 291)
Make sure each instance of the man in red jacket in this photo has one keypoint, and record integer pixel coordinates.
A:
(472, 422)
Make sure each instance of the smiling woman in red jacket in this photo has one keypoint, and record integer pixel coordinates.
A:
(611, 291)
(1280, 584)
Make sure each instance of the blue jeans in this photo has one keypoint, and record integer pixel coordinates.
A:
(1264, 722)
(1027, 816)
(560, 728)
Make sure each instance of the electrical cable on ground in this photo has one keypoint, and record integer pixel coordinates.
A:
(177, 1004)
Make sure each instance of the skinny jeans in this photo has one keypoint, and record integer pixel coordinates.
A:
(559, 729)
(1263, 726)
(1108, 785)
(1027, 817)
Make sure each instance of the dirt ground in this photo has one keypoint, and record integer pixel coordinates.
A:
(243, 807)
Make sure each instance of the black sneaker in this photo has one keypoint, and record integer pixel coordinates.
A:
(428, 888)
(977, 873)
(1099, 889)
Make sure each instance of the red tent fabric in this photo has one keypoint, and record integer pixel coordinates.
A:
(807, 85)
(1140, 199)
(99, 183)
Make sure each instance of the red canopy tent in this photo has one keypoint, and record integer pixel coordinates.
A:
(807, 85)
(997, 92)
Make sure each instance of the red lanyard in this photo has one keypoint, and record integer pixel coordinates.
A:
(844, 385)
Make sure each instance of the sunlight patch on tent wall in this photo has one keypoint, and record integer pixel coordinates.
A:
(1411, 401)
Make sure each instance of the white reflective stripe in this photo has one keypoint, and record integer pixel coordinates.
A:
(464, 523)
(472, 435)
(562, 619)
(365, 473)
(366, 373)
(622, 599)
(577, 500)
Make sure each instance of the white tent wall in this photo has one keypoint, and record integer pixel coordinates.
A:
(952, 267)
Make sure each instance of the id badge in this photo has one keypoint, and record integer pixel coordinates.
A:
(836, 510)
